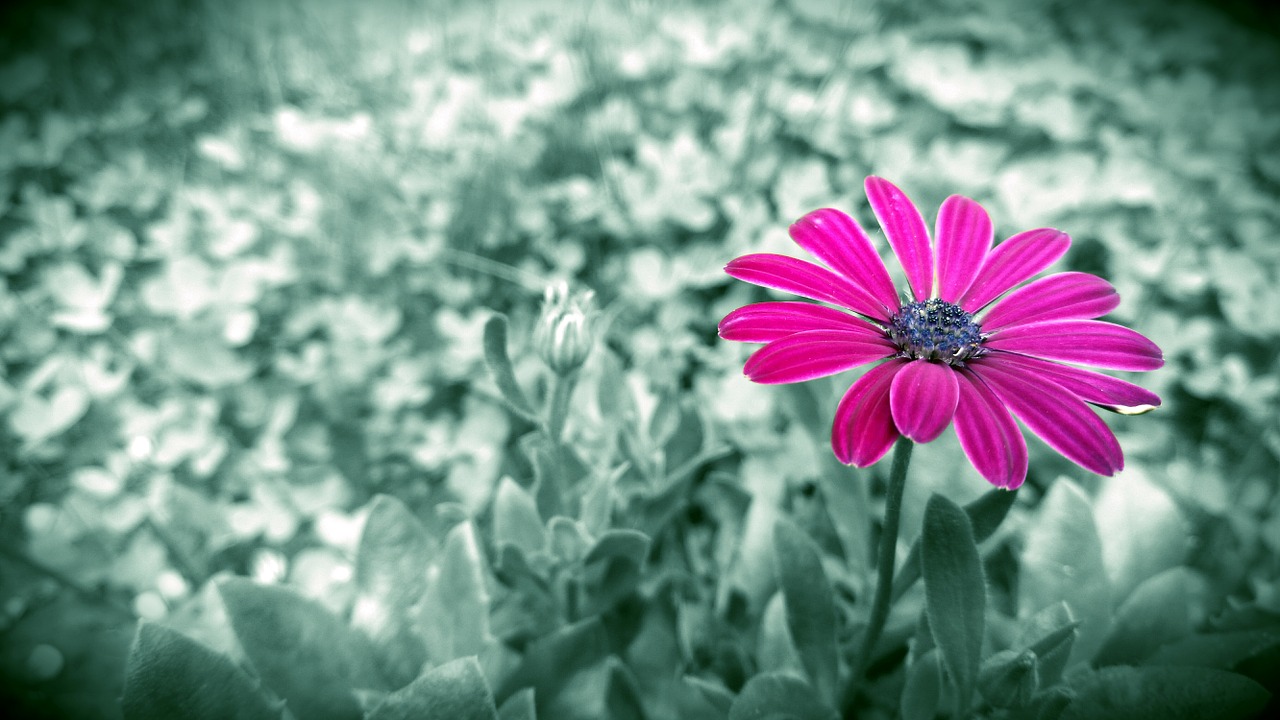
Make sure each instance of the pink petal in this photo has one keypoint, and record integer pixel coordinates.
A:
(863, 430)
(804, 279)
(1104, 391)
(907, 233)
(1064, 422)
(767, 321)
(1013, 261)
(1065, 296)
(964, 238)
(839, 241)
(813, 354)
(988, 435)
(923, 399)
(1088, 342)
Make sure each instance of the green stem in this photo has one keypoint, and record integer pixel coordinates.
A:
(884, 567)
(558, 407)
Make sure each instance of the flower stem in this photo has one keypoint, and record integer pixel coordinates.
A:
(884, 567)
(558, 407)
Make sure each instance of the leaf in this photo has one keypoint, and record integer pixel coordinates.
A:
(519, 707)
(779, 696)
(922, 693)
(454, 691)
(553, 661)
(1141, 530)
(1050, 634)
(622, 697)
(955, 591)
(301, 651)
(1156, 613)
(985, 515)
(847, 503)
(611, 569)
(516, 520)
(495, 354)
(1165, 693)
(775, 650)
(810, 605)
(391, 577)
(170, 675)
(719, 698)
(1223, 651)
(453, 618)
(1063, 562)
(686, 441)
(37, 419)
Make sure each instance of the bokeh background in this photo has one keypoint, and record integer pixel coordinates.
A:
(247, 250)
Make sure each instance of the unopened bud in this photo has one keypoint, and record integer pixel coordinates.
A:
(1009, 678)
(564, 335)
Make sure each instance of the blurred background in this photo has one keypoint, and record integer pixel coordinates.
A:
(247, 250)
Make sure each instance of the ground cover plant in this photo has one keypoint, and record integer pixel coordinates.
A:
(378, 360)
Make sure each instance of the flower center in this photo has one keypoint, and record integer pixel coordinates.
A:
(936, 330)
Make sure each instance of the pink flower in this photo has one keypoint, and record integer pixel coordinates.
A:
(966, 346)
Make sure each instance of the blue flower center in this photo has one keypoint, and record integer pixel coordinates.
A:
(936, 330)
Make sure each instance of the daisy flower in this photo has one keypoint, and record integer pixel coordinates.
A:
(967, 343)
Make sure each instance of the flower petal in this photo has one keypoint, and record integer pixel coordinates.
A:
(923, 399)
(907, 233)
(1104, 391)
(964, 237)
(988, 435)
(839, 241)
(803, 278)
(812, 354)
(863, 430)
(1088, 342)
(1065, 296)
(1061, 419)
(1013, 261)
(768, 321)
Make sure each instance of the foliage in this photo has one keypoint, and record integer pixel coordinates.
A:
(248, 254)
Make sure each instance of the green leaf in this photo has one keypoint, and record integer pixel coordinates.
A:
(1009, 678)
(569, 540)
(922, 694)
(955, 591)
(1156, 613)
(1141, 530)
(516, 520)
(622, 697)
(985, 515)
(1223, 651)
(1165, 693)
(300, 650)
(716, 695)
(519, 707)
(454, 691)
(611, 569)
(170, 675)
(686, 441)
(555, 660)
(453, 617)
(495, 354)
(391, 577)
(1050, 634)
(779, 696)
(775, 650)
(810, 605)
(1063, 562)
(847, 503)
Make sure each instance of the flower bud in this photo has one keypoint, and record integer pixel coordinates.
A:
(563, 335)
(1009, 678)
